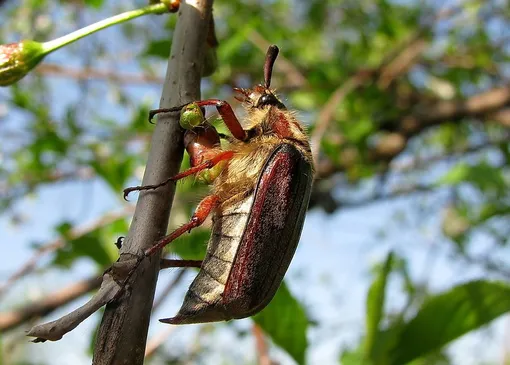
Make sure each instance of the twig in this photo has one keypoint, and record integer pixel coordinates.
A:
(92, 73)
(166, 291)
(326, 114)
(261, 345)
(54, 245)
(53, 301)
(402, 62)
(155, 342)
(47, 305)
(420, 163)
(482, 105)
(331, 203)
(393, 65)
(488, 106)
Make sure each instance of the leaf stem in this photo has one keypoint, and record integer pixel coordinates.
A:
(55, 44)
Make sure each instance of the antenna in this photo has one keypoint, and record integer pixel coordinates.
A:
(272, 53)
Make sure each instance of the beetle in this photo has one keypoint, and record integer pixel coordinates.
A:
(261, 185)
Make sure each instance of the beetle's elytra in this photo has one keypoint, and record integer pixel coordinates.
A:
(261, 184)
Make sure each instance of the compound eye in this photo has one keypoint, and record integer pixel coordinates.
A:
(269, 99)
(265, 100)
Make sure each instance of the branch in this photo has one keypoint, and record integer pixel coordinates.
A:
(158, 340)
(53, 301)
(261, 345)
(123, 332)
(330, 204)
(393, 65)
(481, 105)
(322, 194)
(327, 112)
(489, 106)
(54, 245)
(88, 73)
(47, 305)
(420, 163)
(167, 290)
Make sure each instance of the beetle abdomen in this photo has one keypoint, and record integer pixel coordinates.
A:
(272, 232)
(252, 243)
(202, 302)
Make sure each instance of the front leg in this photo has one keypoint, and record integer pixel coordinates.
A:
(228, 116)
(225, 111)
(207, 164)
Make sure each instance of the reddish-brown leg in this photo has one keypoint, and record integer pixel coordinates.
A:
(224, 109)
(228, 116)
(221, 156)
(168, 263)
(204, 208)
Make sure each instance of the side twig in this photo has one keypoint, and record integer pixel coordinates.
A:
(54, 245)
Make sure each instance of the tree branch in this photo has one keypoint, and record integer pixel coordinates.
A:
(477, 106)
(261, 346)
(55, 300)
(54, 245)
(47, 305)
(88, 73)
(489, 106)
(123, 332)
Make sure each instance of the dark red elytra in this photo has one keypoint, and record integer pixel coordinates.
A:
(258, 201)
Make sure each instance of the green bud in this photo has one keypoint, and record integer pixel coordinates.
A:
(191, 116)
(17, 59)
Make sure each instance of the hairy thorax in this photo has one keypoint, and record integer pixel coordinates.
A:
(271, 127)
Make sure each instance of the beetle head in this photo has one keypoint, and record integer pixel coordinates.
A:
(262, 96)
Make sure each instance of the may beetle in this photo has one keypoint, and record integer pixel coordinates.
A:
(261, 185)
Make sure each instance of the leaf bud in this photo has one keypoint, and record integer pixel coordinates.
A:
(17, 59)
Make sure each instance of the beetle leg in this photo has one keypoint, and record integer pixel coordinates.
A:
(207, 164)
(204, 208)
(168, 263)
(229, 118)
(154, 112)
(224, 109)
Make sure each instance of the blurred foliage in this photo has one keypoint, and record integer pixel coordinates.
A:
(401, 98)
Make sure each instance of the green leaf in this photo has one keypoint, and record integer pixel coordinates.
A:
(97, 244)
(484, 176)
(375, 304)
(159, 48)
(352, 357)
(285, 321)
(115, 169)
(442, 319)
(94, 3)
(191, 246)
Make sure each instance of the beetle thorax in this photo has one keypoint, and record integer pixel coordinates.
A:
(271, 121)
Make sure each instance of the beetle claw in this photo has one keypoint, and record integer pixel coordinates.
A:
(126, 193)
(119, 242)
